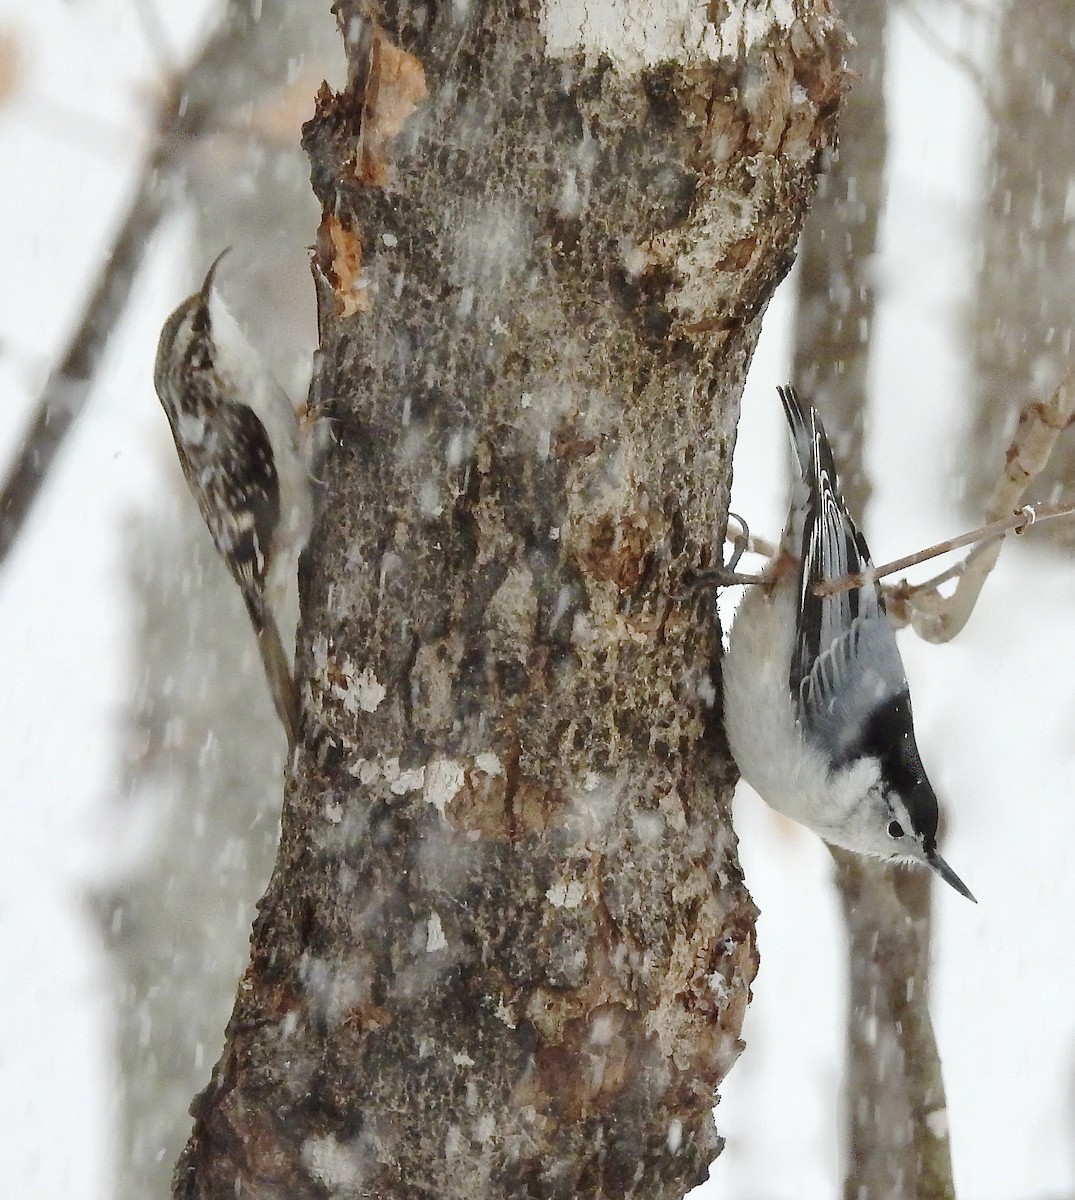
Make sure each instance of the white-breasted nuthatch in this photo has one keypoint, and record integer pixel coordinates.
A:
(237, 437)
(816, 704)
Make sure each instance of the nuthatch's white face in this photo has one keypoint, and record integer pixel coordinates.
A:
(890, 826)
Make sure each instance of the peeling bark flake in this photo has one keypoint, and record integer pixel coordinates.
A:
(344, 266)
(395, 86)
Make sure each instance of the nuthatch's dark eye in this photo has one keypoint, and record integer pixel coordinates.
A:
(895, 829)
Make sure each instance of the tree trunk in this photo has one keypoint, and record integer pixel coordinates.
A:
(894, 1105)
(506, 950)
(1022, 320)
(836, 299)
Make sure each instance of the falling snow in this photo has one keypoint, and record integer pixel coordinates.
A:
(779, 1103)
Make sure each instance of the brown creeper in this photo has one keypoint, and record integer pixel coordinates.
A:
(238, 442)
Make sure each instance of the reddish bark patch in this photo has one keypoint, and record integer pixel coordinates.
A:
(615, 552)
(599, 1057)
(340, 258)
(395, 86)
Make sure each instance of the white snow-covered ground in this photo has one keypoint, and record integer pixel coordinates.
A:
(995, 711)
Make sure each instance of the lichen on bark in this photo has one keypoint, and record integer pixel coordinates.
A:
(507, 948)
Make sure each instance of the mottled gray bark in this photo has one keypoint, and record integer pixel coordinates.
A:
(897, 1133)
(506, 950)
(1022, 317)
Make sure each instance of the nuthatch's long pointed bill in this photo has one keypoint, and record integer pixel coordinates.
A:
(949, 876)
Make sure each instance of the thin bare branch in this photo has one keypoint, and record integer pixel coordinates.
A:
(1017, 522)
(194, 106)
(68, 384)
(938, 618)
(935, 617)
(957, 58)
(156, 36)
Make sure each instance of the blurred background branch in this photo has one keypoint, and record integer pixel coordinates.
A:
(896, 1140)
(230, 85)
(198, 802)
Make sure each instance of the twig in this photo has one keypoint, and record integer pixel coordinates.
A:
(957, 58)
(939, 618)
(758, 545)
(64, 397)
(903, 588)
(1018, 522)
(68, 384)
(156, 36)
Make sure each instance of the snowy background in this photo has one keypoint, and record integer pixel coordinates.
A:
(995, 711)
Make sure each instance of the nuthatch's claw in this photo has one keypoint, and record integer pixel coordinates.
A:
(740, 541)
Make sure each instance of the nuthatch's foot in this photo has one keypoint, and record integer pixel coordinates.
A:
(726, 575)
